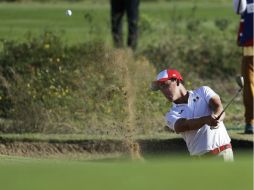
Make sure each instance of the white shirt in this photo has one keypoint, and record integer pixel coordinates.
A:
(204, 139)
(239, 5)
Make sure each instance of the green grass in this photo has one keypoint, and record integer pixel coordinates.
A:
(17, 20)
(20, 20)
(154, 173)
(76, 137)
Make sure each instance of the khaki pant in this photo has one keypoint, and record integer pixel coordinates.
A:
(248, 90)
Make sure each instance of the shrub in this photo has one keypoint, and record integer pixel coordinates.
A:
(48, 87)
(202, 55)
(91, 88)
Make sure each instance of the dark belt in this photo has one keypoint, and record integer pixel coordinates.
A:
(220, 149)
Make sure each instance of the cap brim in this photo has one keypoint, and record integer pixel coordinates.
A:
(162, 80)
(154, 86)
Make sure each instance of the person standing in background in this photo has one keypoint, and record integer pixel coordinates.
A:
(245, 39)
(118, 8)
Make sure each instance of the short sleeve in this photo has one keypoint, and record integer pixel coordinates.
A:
(171, 119)
(207, 93)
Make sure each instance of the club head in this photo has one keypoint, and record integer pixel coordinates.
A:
(240, 81)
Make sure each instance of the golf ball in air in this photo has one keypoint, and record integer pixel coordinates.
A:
(68, 12)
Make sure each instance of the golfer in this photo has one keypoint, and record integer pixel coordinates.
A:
(194, 115)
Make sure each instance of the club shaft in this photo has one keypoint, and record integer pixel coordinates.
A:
(229, 103)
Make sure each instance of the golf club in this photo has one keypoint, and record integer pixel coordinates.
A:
(240, 82)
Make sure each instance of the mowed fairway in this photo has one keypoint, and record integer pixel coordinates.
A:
(92, 20)
(154, 173)
(20, 20)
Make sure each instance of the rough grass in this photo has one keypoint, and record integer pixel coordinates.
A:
(107, 91)
(124, 100)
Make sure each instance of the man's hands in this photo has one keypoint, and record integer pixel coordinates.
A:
(212, 120)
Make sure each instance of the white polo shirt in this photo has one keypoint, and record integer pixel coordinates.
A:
(204, 139)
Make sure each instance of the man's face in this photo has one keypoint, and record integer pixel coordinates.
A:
(168, 88)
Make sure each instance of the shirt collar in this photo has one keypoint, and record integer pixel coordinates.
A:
(191, 94)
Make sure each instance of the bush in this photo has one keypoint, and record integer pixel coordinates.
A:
(49, 87)
(91, 88)
(202, 56)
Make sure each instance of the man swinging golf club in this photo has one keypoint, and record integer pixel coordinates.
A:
(194, 114)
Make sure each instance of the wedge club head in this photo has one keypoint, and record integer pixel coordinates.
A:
(240, 81)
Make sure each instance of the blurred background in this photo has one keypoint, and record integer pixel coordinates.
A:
(61, 74)
(68, 96)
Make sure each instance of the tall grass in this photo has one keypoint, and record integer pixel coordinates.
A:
(50, 85)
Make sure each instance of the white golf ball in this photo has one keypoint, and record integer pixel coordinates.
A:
(68, 12)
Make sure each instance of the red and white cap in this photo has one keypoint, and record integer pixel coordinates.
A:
(164, 76)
